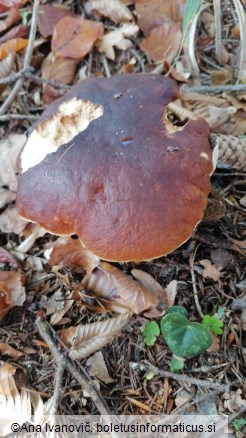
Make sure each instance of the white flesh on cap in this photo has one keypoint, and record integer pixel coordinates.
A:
(72, 117)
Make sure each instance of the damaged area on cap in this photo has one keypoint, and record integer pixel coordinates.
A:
(72, 117)
(128, 187)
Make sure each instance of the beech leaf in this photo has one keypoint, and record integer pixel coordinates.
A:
(113, 9)
(117, 38)
(12, 17)
(15, 44)
(74, 37)
(156, 12)
(163, 42)
(84, 340)
(12, 292)
(49, 16)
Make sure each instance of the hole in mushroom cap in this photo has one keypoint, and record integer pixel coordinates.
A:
(72, 117)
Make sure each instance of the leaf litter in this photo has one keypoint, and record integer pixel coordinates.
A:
(114, 39)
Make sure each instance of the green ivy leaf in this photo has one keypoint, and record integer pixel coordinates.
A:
(151, 331)
(213, 323)
(176, 309)
(184, 338)
(238, 423)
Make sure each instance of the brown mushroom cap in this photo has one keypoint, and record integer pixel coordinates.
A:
(128, 185)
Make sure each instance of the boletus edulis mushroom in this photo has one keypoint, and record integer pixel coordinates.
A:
(105, 163)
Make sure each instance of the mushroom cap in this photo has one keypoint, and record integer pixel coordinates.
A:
(128, 183)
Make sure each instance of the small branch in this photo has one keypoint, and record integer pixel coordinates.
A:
(193, 278)
(14, 77)
(215, 88)
(27, 60)
(65, 363)
(58, 386)
(147, 366)
(9, 116)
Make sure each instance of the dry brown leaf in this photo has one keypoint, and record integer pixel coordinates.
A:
(16, 32)
(153, 13)
(215, 346)
(210, 271)
(15, 45)
(70, 253)
(233, 401)
(7, 4)
(12, 17)
(113, 9)
(84, 340)
(49, 16)
(221, 77)
(12, 292)
(6, 65)
(148, 281)
(74, 37)
(111, 283)
(57, 69)
(61, 306)
(97, 368)
(239, 245)
(215, 116)
(9, 351)
(178, 72)
(163, 42)
(6, 257)
(117, 38)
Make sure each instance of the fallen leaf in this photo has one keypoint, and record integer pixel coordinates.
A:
(10, 351)
(10, 149)
(156, 12)
(15, 44)
(10, 221)
(84, 340)
(74, 37)
(12, 17)
(221, 77)
(12, 292)
(7, 4)
(16, 404)
(97, 368)
(31, 233)
(109, 282)
(233, 401)
(215, 347)
(113, 9)
(6, 65)
(71, 253)
(238, 244)
(163, 42)
(62, 305)
(6, 257)
(16, 32)
(220, 257)
(117, 38)
(49, 16)
(210, 271)
(57, 69)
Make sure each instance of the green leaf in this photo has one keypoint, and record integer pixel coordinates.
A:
(184, 338)
(177, 364)
(213, 323)
(177, 309)
(238, 423)
(151, 331)
(191, 9)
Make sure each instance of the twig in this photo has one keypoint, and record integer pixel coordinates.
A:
(215, 88)
(147, 366)
(82, 378)
(27, 60)
(193, 278)
(58, 385)
(12, 116)
(27, 73)
(14, 77)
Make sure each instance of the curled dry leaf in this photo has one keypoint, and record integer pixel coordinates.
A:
(49, 16)
(97, 367)
(210, 271)
(163, 42)
(57, 69)
(117, 38)
(17, 32)
(12, 292)
(74, 37)
(156, 12)
(12, 17)
(84, 340)
(6, 65)
(9, 351)
(111, 283)
(15, 45)
(113, 9)
(233, 401)
(15, 405)
(70, 253)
